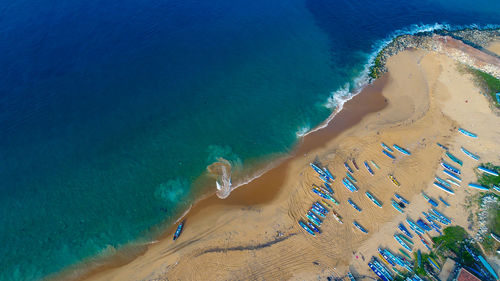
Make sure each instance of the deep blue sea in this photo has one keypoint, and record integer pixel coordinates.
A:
(110, 110)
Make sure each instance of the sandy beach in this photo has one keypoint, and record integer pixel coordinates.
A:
(253, 235)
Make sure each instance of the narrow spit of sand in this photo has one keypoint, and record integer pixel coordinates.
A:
(254, 235)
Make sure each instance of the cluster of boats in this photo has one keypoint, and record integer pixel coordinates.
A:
(388, 151)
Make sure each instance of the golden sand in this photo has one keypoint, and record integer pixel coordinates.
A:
(254, 235)
(494, 47)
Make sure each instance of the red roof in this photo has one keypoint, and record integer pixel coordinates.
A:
(465, 275)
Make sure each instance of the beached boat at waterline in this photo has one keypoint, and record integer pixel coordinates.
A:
(362, 229)
(400, 149)
(450, 168)
(369, 168)
(470, 154)
(455, 177)
(393, 180)
(178, 231)
(337, 217)
(348, 167)
(454, 158)
(356, 207)
(396, 206)
(386, 147)
(399, 197)
(405, 230)
(488, 171)
(441, 186)
(467, 133)
(373, 199)
(478, 186)
(388, 154)
(306, 228)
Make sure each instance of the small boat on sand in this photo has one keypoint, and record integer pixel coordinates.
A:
(355, 164)
(313, 227)
(426, 244)
(322, 206)
(369, 168)
(326, 203)
(453, 182)
(317, 212)
(405, 254)
(396, 206)
(494, 236)
(402, 243)
(455, 177)
(467, 133)
(406, 239)
(434, 263)
(373, 199)
(327, 172)
(443, 182)
(351, 278)
(454, 158)
(348, 167)
(377, 272)
(400, 149)
(488, 171)
(399, 197)
(393, 180)
(337, 217)
(313, 220)
(349, 185)
(351, 177)
(446, 189)
(470, 154)
(450, 168)
(386, 147)
(356, 207)
(444, 202)
(405, 230)
(388, 154)
(178, 231)
(317, 169)
(375, 164)
(306, 228)
(356, 224)
(478, 186)
(442, 146)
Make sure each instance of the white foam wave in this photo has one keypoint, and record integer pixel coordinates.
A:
(303, 131)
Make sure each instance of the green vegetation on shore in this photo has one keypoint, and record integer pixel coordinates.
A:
(491, 84)
(489, 180)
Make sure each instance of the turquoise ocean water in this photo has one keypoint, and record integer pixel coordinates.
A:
(109, 111)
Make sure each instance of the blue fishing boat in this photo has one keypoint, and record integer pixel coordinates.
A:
(351, 177)
(327, 172)
(426, 244)
(450, 168)
(478, 186)
(442, 181)
(315, 210)
(419, 258)
(444, 202)
(348, 167)
(446, 189)
(423, 225)
(487, 171)
(319, 192)
(388, 154)
(400, 149)
(178, 231)
(377, 272)
(405, 254)
(455, 177)
(402, 243)
(467, 133)
(396, 206)
(350, 186)
(313, 227)
(325, 209)
(415, 227)
(382, 268)
(375, 164)
(386, 147)
(440, 215)
(328, 188)
(355, 164)
(369, 168)
(470, 154)
(356, 224)
(356, 207)
(317, 169)
(399, 197)
(386, 257)
(326, 203)
(405, 230)
(324, 178)
(442, 146)
(351, 278)
(496, 188)
(406, 239)
(488, 267)
(454, 159)
(306, 228)
(313, 220)
(434, 263)
(453, 182)
(373, 199)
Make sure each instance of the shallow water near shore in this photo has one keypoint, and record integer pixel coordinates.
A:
(110, 113)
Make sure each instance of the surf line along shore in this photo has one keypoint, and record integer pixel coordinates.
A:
(254, 232)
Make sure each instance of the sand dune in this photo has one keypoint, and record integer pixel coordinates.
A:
(422, 100)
